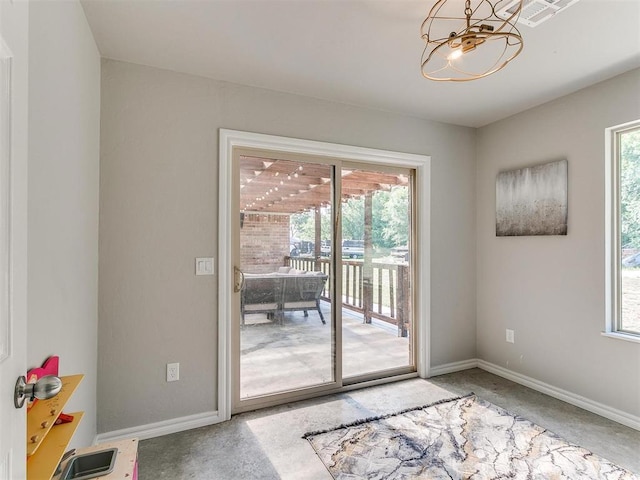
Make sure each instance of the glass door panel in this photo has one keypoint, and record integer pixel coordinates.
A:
(377, 232)
(286, 313)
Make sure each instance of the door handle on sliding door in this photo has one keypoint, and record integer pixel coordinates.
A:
(238, 279)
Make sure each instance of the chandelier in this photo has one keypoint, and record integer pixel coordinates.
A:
(469, 44)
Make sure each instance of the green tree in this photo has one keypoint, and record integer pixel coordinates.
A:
(380, 199)
(302, 226)
(630, 189)
(395, 217)
(353, 218)
(390, 219)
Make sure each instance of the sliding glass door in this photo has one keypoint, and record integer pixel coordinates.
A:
(323, 262)
(286, 320)
(377, 283)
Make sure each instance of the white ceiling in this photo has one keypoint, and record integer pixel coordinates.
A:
(364, 52)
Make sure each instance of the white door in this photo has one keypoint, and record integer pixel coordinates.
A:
(13, 229)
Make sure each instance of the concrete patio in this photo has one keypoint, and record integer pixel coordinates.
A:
(297, 352)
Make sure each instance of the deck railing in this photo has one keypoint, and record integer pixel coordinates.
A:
(385, 295)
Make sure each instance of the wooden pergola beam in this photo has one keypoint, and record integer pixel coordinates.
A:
(282, 186)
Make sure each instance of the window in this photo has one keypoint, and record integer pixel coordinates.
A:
(623, 231)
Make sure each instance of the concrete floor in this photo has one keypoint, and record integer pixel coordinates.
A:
(267, 444)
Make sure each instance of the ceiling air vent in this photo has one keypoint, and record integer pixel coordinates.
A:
(534, 12)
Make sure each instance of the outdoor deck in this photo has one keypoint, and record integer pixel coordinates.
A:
(297, 353)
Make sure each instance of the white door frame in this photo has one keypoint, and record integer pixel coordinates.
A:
(228, 140)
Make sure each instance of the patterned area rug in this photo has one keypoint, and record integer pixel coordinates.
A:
(462, 438)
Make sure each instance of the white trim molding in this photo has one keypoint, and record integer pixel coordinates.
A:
(158, 429)
(181, 424)
(453, 367)
(613, 234)
(230, 139)
(605, 411)
(627, 337)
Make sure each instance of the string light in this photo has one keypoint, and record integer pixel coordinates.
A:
(293, 174)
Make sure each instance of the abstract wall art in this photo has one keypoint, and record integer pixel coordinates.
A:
(532, 200)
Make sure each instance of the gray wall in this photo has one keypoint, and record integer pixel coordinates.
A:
(158, 210)
(551, 290)
(64, 129)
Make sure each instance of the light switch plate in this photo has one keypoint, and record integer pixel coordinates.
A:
(204, 266)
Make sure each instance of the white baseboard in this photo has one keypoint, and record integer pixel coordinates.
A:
(158, 429)
(453, 367)
(209, 418)
(605, 411)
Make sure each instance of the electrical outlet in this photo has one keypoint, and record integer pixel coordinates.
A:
(511, 336)
(173, 372)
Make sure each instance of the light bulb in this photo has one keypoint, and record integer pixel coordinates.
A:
(457, 53)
